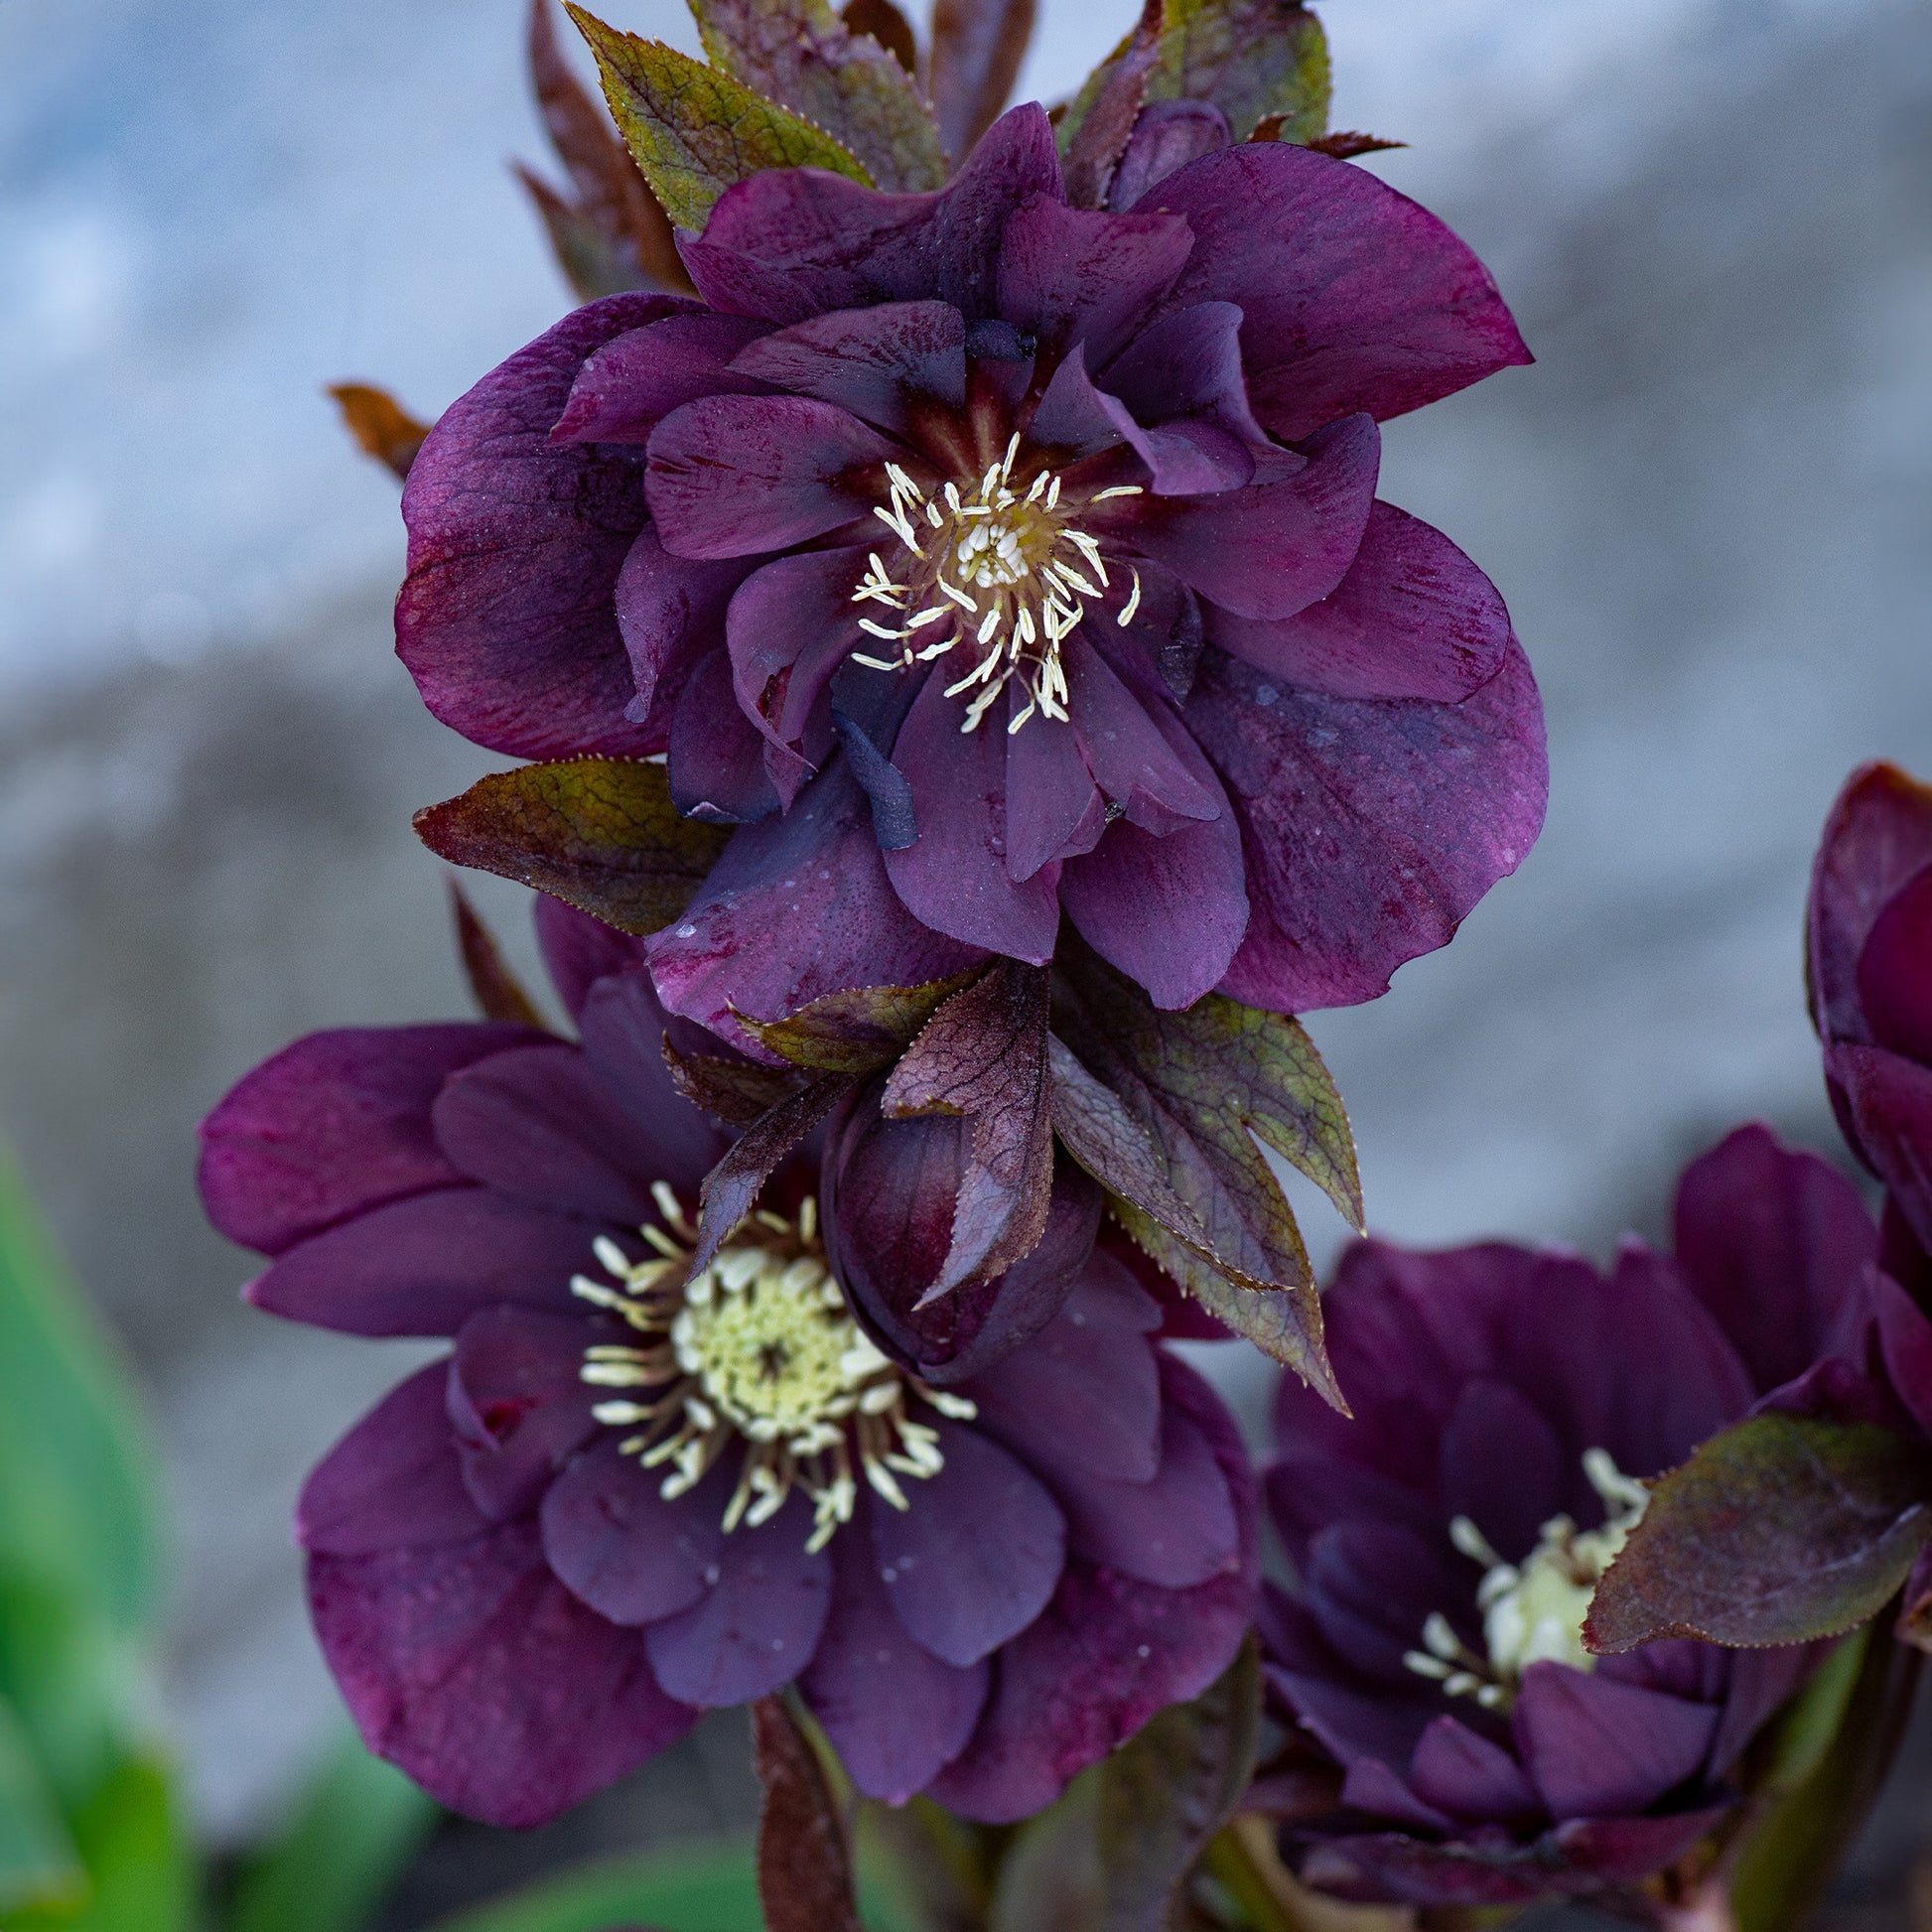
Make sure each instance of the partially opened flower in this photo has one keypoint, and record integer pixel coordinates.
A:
(989, 559)
(633, 1489)
(1448, 1542)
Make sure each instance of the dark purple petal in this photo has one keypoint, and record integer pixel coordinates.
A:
(536, 1123)
(1891, 1101)
(470, 1667)
(895, 1714)
(1895, 972)
(1133, 748)
(1189, 363)
(671, 613)
(791, 243)
(392, 1483)
(717, 758)
(790, 626)
(1371, 829)
(1372, 1787)
(1354, 298)
(1053, 810)
(1906, 1339)
(623, 1548)
(424, 1266)
(1074, 275)
(630, 384)
(1167, 134)
(798, 907)
(1383, 1866)
(507, 620)
(1353, 1717)
(1502, 1465)
(1272, 548)
(1467, 1775)
(1414, 617)
(579, 950)
(953, 877)
(518, 1405)
(1372, 1585)
(881, 363)
(1592, 1745)
(1309, 1489)
(731, 476)
(976, 1556)
(1624, 1850)
(1775, 1244)
(756, 1627)
(335, 1124)
(1759, 1682)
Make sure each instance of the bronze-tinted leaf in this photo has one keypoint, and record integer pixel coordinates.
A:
(613, 235)
(1337, 147)
(1251, 58)
(977, 49)
(498, 991)
(799, 54)
(695, 131)
(805, 1864)
(855, 1032)
(983, 1054)
(1050, 1878)
(1094, 148)
(1166, 1793)
(380, 425)
(737, 1092)
(1780, 1530)
(732, 1187)
(888, 25)
(599, 834)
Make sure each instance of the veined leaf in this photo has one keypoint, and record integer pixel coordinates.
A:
(694, 131)
(855, 1032)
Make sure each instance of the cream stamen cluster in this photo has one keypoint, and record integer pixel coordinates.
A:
(1533, 1611)
(757, 1349)
(1000, 573)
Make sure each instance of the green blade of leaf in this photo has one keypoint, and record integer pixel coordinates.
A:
(350, 1833)
(1252, 59)
(599, 834)
(855, 1032)
(141, 1869)
(1782, 1529)
(39, 1865)
(713, 1889)
(694, 131)
(799, 54)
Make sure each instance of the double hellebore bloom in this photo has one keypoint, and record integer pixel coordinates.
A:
(985, 558)
(633, 1489)
(1447, 1541)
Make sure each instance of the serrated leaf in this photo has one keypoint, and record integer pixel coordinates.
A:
(1093, 149)
(887, 25)
(1166, 1793)
(599, 834)
(799, 54)
(734, 1091)
(381, 426)
(732, 1187)
(498, 991)
(694, 131)
(855, 1032)
(1782, 1529)
(977, 49)
(1251, 58)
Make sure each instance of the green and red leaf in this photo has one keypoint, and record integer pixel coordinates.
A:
(856, 1031)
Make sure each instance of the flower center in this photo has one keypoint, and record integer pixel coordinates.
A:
(999, 574)
(1533, 1611)
(760, 1350)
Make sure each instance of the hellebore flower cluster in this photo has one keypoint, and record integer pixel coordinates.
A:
(634, 1490)
(1510, 1405)
(985, 559)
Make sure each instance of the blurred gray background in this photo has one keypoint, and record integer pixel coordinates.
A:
(1707, 506)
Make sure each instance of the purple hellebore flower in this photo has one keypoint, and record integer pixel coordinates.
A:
(625, 1496)
(986, 558)
(1449, 1540)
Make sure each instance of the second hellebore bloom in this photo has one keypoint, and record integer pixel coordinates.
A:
(985, 558)
(631, 1491)
(1449, 1539)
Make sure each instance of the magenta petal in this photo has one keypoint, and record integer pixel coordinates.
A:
(1895, 972)
(623, 1548)
(1273, 547)
(518, 1404)
(1077, 275)
(798, 907)
(893, 1711)
(715, 757)
(1592, 1745)
(953, 876)
(1629, 1850)
(756, 1627)
(1370, 829)
(1050, 796)
(791, 626)
(1167, 134)
(516, 543)
(630, 384)
(789, 244)
(1157, 775)
(477, 1672)
(424, 1266)
(875, 362)
(579, 950)
(671, 613)
(1891, 1101)
(731, 476)
(535, 1123)
(1189, 363)
(1414, 617)
(1354, 298)
(335, 1124)
(392, 1481)
(976, 1554)
(1466, 1774)
(1905, 1337)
